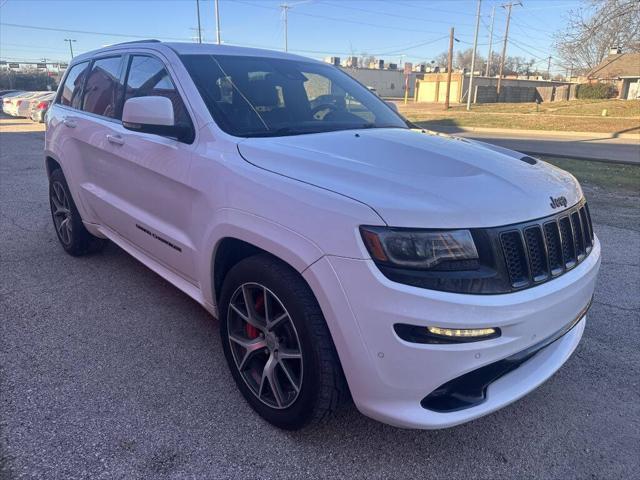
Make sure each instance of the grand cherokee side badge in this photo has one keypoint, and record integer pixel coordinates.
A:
(558, 202)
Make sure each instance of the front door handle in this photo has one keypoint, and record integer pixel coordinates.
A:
(69, 123)
(117, 139)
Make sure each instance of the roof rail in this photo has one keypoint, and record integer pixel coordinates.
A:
(151, 40)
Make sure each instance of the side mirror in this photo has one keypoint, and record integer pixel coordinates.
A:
(393, 106)
(153, 115)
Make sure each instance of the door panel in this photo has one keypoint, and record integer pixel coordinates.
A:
(141, 193)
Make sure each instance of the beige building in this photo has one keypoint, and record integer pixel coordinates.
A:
(433, 86)
(621, 70)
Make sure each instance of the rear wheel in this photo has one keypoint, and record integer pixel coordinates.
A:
(71, 232)
(277, 344)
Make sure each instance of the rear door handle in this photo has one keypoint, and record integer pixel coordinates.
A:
(69, 123)
(117, 139)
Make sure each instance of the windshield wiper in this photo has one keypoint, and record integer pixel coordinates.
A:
(279, 132)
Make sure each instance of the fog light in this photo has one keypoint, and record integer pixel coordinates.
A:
(462, 333)
(438, 335)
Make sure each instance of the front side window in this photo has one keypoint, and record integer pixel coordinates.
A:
(103, 90)
(148, 77)
(257, 96)
(72, 89)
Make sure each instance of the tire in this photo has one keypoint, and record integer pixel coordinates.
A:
(317, 374)
(71, 232)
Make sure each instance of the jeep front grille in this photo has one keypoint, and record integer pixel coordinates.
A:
(538, 251)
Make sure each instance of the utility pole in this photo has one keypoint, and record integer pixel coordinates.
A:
(285, 10)
(199, 28)
(549, 69)
(449, 67)
(504, 46)
(70, 41)
(218, 41)
(493, 17)
(473, 57)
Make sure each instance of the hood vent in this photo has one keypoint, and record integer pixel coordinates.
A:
(529, 160)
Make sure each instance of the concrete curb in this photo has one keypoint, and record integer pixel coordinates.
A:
(533, 133)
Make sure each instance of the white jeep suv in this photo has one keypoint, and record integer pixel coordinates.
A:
(433, 278)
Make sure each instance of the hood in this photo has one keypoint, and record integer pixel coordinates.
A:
(419, 179)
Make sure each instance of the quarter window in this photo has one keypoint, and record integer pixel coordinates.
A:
(148, 77)
(103, 90)
(72, 88)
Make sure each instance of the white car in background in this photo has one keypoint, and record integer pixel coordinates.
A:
(38, 107)
(24, 105)
(16, 105)
(434, 278)
(5, 99)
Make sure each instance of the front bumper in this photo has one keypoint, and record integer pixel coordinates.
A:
(389, 377)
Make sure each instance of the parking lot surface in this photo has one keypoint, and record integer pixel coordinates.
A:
(107, 371)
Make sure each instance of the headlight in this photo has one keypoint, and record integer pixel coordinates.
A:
(418, 249)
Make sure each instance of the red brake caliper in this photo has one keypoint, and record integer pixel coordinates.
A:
(252, 332)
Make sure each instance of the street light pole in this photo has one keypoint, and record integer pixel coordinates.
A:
(285, 10)
(218, 41)
(493, 17)
(449, 67)
(70, 40)
(199, 28)
(504, 46)
(473, 57)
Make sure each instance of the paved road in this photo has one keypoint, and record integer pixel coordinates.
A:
(597, 148)
(107, 371)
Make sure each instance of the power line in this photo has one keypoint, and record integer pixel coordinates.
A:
(32, 47)
(387, 14)
(335, 19)
(85, 32)
(431, 9)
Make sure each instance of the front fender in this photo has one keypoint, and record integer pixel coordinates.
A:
(270, 236)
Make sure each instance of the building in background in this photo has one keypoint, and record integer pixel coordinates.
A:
(431, 87)
(383, 77)
(387, 83)
(619, 69)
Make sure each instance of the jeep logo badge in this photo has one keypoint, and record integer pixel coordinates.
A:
(558, 202)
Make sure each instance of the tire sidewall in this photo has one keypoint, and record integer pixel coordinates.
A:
(82, 242)
(58, 177)
(301, 411)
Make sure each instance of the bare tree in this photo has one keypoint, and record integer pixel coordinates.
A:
(594, 28)
(512, 65)
(441, 60)
(462, 60)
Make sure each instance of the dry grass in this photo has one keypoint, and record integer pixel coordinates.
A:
(612, 177)
(623, 116)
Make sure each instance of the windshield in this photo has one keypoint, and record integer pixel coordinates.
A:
(264, 97)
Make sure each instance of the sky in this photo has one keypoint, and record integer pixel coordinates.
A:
(395, 30)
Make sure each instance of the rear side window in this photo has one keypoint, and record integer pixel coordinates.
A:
(72, 88)
(103, 90)
(148, 77)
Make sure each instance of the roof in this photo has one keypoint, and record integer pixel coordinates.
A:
(616, 66)
(197, 48)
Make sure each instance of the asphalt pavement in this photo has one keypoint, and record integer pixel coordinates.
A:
(107, 371)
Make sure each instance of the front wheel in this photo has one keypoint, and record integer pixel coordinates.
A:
(277, 344)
